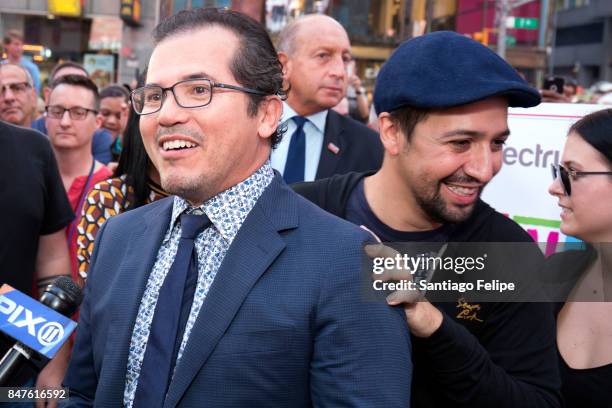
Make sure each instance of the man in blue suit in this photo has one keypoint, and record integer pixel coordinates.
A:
(236, 292)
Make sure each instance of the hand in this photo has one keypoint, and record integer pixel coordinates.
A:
(52, 375)
(423, 318)
(355, 82)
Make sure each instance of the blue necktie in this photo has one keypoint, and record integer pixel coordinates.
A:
(171, 313)
(296, 157)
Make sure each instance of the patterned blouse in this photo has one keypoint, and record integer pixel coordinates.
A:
(106, 199)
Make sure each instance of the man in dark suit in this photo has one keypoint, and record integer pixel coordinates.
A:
(315, 53)
(232, 293)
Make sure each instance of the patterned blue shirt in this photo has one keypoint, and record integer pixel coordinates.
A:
(227, 211)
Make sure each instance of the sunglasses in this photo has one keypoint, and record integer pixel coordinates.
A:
(565, 174)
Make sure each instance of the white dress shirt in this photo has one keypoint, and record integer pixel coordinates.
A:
(314, 130)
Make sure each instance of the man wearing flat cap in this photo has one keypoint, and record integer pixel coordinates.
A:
(443, 101)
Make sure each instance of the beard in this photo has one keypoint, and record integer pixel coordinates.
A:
(195, 189)
(438, 209)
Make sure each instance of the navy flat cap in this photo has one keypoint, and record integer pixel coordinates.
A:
(445, 69)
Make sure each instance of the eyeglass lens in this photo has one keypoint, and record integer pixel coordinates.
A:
(560, 171)
(76, 113)
(188, 94)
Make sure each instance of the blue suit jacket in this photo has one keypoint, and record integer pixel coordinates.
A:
(286, 322)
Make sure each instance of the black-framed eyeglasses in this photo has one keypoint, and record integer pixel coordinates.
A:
(16, 88)
(190, 93)
(76, 112)
(565, 174)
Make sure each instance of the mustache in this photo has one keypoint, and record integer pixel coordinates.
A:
(179, 130)
(459, 178)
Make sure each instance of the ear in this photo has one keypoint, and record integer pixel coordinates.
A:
(270, 112)
(46, 93)
(391, 136)
(34, 97)
(99, 121)
(286, 63)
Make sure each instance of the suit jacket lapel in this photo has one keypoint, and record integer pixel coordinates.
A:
(128, 288)
(254, 249)
(333, 134)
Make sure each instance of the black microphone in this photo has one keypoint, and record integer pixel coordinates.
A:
(63, 296)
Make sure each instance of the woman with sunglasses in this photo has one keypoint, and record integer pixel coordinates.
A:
(583, 185)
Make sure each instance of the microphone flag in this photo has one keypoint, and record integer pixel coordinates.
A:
(28, 321)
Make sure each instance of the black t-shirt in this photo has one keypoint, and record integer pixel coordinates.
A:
(591, 387)
(358, 212)
(33, 202)
(505, 352)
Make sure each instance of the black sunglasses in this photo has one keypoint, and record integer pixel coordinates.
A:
(559, 170)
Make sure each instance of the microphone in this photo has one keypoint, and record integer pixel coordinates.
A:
(46, 327)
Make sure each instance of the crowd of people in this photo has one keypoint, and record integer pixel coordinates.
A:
(210, 282)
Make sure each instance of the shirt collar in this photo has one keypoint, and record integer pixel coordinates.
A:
(317, 119)
(228, 209)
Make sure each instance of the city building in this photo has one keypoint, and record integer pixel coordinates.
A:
(526, 35)
(111, 38)
(375, 27)
(582, 41)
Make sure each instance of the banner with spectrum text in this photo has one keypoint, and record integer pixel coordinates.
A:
(520, 190)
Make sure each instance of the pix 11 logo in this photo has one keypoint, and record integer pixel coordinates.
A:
(47, 334)
(32, 323)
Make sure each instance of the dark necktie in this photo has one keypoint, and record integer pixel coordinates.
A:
(296, 157)
(171, 313)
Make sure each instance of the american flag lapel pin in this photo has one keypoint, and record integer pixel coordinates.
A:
(333, 148)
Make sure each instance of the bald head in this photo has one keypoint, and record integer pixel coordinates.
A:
(315, 51)
(13, 68)
(298, 30)
(17, 95)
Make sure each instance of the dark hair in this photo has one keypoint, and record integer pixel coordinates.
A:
(407, 117)
(134, 162)
(79, 80)
(67, 64)
(255, 64)
(115, 91)
(596, 130)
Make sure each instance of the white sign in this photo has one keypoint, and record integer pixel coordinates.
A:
(520, 190)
